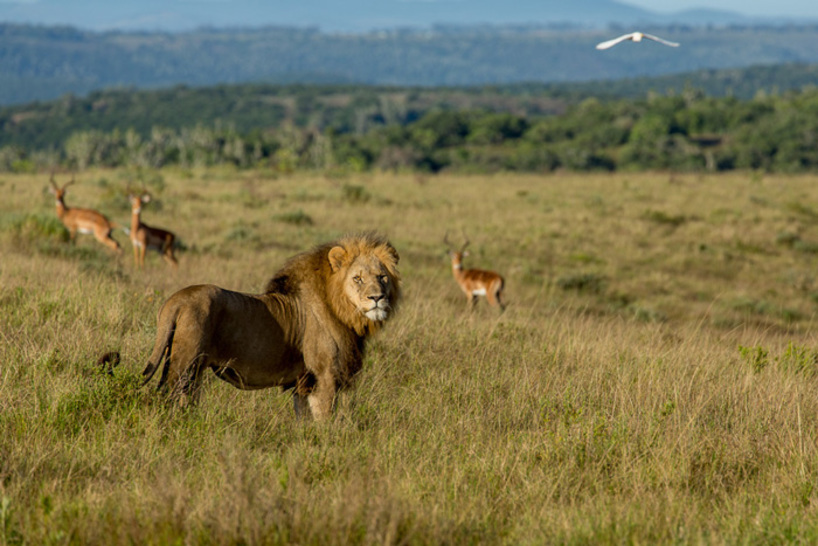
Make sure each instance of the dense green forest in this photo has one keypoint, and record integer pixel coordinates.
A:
(426, 130)
(43, 63)
(351, 108)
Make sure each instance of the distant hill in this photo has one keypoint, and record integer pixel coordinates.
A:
(349, 15)
(42, 63)
(350, 108)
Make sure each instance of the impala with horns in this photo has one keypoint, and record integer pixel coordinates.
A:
(83, 220)
(144, 237)
(475, 282)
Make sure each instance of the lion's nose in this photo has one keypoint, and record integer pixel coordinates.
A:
(376, 298)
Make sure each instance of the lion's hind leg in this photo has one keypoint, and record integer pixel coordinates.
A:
(160, 355)
(301, 406)
(182, 378)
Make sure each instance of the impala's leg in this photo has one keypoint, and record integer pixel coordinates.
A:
(471, 302)
(491, 297)
(106, 239)
(142, 251)
(171, 259)
(495, 299)
(167, 252)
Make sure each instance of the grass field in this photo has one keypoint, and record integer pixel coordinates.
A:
(654, 378)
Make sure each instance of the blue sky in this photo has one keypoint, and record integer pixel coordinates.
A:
(783, 8)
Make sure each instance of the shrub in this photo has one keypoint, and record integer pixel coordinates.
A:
(355, 194)
(592, 283)
(296, 218)
(38, 227)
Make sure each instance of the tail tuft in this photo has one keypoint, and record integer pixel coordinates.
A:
(108, 361)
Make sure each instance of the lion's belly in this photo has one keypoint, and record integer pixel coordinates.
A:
(255, 356)
(261, 373)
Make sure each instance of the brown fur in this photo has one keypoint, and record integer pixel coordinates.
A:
(307, 330)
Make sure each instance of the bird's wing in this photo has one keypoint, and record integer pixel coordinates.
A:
(611, 43)
(661, 41)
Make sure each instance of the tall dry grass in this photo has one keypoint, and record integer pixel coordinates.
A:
(652, 381)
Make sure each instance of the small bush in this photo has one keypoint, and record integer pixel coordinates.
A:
(296, 218)
(807, 247)
(592, 283)
(355, 194)
(799, 360)
(787, 238)
(240, 233)
(757, 357)
(644, 314)
(802, 210)
(660, 217)
(37, 228)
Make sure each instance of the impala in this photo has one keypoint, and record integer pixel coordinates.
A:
(475, 282)
(144, 237)
(83, 220)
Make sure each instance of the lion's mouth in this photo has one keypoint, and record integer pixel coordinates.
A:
(379, 312)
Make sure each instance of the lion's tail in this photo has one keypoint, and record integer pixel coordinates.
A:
(108, 362)
(161, 351)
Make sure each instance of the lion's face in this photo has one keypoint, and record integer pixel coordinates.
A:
(369, 287)
(367, 280)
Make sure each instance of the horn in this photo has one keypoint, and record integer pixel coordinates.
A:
(446, 241)
(467, 241)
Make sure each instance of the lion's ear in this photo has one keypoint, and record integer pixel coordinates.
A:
(393, 253)
(336, 256)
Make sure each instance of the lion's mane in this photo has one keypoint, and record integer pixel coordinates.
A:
(313, 269)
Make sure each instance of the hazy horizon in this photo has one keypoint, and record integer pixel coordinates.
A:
(181, 15)
(750, 8)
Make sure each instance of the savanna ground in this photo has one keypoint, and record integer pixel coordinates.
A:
(654, 378)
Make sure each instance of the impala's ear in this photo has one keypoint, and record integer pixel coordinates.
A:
(465, 253)
(337, 255)
(145, 197)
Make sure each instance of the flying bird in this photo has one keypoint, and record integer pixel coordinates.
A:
(636, 37)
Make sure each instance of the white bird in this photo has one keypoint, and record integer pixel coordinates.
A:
(636, 37)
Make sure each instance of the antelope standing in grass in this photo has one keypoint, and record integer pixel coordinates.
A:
(144, 237)
(83, 220)
(475, 282)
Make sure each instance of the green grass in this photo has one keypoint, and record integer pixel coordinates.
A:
(650, 381)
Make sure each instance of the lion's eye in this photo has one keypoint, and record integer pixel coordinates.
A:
(384, 279)
(357, 279)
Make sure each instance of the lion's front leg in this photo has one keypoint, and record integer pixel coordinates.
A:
(322, 397)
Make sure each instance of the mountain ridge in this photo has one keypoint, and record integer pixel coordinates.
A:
(354, 16)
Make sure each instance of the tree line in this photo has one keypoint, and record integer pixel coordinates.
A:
(687, 131)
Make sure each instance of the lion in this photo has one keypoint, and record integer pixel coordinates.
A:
(306, 332)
